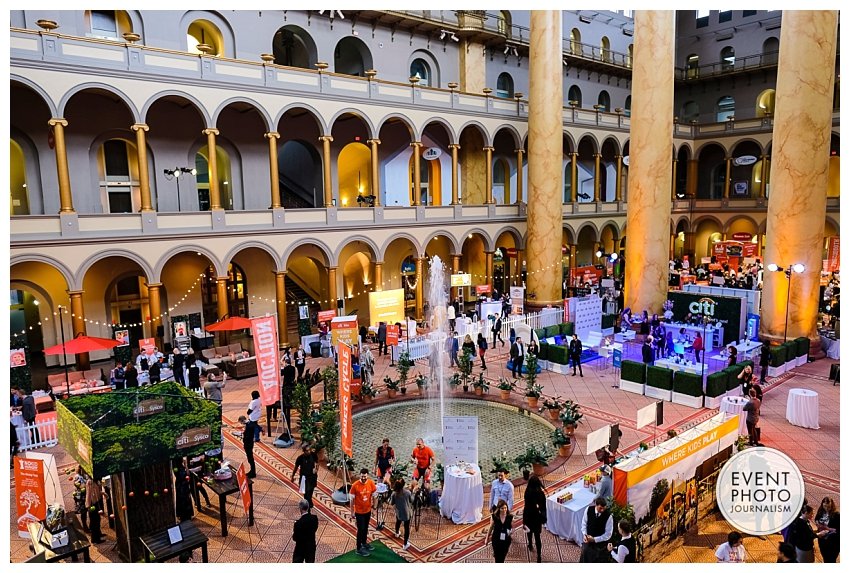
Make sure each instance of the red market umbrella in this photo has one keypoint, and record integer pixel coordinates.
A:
(83, 344)
(232, 323)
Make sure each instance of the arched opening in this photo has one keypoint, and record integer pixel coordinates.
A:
(725, 108)
(18, 195)
(117, 165)
(354, 174)
(501, 180)
(627, 107)
(770, 52)
(352, 57)
(292, 46)
(727, 58)
(692, 66)
(300, 175)
(605, 46)
(109, 24)
(237, 293)
(586, 246)
(430, 174)
(604, 100)
(574, 96)
(711, 172)
(690, 111)
(503, 23)
(765, 102)
(630, 55)
(204, 33)
(679, 241)
(505, 86)
(419, 68)
(203, 177)
(575, 42)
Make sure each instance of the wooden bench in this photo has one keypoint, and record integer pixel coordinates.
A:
(158, 546)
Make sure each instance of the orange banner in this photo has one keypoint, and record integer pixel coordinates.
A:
(392, 334)
(326, 315)
(344, 355)
(29, 493)
(244, 491)
(147, 344)
(264, 331)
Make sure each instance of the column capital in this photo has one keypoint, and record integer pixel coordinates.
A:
(519, 150)
(675, 160)
(57, 121)
(210, 131)
(597, 155)
(272, 135)
(415, 144)
(74, 293)
(618, 156)
(377, 262)
(154, 285)
(490, 252)
(454, 145)
(220, 279)
(573, 154)
(140, 126)
(328, 138)
(373, 141)
(489, 148)
(278, 273)
(331, 268)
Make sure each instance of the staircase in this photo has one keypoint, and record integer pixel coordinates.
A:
(294, 293)
(293, 195)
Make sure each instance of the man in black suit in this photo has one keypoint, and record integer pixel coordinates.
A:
(517, 356)
(575, 354)
(647, 352)
(304, 535)
(382, 338)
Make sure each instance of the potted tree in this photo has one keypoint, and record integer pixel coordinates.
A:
(562, 441)
(335, 465)
(523, 462)
(502, 463)
(505, 387)
(454, 382)
(421, 383)
(367, 392)
(465, 364)
(403, 366)
(553, 406)
(392, 386)
(539, 457)
(532, 394)
(303, 405)
(481, 385)
(570, 416)
(328, 434)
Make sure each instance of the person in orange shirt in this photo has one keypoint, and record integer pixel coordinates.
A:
(362, 491)
(422, 456)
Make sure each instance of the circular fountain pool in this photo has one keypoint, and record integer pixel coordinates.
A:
(501, 428)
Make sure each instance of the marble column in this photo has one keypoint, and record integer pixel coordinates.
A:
(66, 201)
(274, 181)
(222, 308)
(648, 216)
(376, 184)
(797, 206)
(326, 169)
(573, 177)
(488, 175)
(765, 181)
(519, 153)
(545, 154)
(454, 147)
(420, 280)
(378, 276)
(728, 180)
(215, 196)
(692, 175)
(618, 188)
(518, 278)
(597, 196)
(144, 177)
(455, 270)
(417, 173)
(78, 326)
(332, 287)
(488, 267)
(155, 308)
(673, 186)
(280, 302)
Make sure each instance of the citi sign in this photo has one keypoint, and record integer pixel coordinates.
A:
(703, 306)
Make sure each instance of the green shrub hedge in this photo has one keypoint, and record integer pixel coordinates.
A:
(558, 354)
(659, 377)
(716, 385)
(540, 333)
(609, 320)
(777, 355)
(553, 330)
(790, 350)
(687, 383)
(567, 328)
(633, 371)
(803, 344)
(544, 351)
(732, 376)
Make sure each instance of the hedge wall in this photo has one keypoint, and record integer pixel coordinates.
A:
(732, 372)
(609, 320)
(716, 385)
(567, 328)
(553, 330)
(544, 351)
(633, 371)
(777, 355)
(540, 333)
(659, 377)
(687, 383)
(803, 345)
(790, 350)
(558, 354)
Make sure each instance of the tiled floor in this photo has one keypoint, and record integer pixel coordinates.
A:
(438, 540)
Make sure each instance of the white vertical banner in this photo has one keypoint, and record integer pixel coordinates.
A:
(598, 439)
(460, 439)
(646, 415)
(587, 316)
(517, 300)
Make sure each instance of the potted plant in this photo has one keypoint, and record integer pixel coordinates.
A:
(553, 406)
(392, 386)
(532, 393)
(502, 463)
(671, 433)
(539, 457)
(421, 383)
(304, 406)
(403, 366)
(562, 441)
(524, 464)
(328, 433)
(465, 364)
(505, 387)
(335, 465)
(481, 385)
(570, 416)
(620, 512)
(330, 378)
(643, 446)
(454, 381)
(399, 471)
(367, 392)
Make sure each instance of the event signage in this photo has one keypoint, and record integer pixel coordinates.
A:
(460, 439)
(149, 407)
(123, 336)
(725, 309)
(742, 236)
(244, 490)
(833, 255)
(180, 328)
(344, 329)
(386, 306)
(462, 280)
(17, 357)
(585, 314)
(617, 360)
(326, 315)
(392, 334)
(517, 299)
(566, 310)
(760, 491)
(482, 289)
(344, 366)
(147, 344)
(192, 437)
(431, 153)
(303, 312)
(29, 492)
(745, 160)
(264, 331)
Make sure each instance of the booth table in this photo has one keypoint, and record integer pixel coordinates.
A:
(802, 408)
(607, 352)
(463, 494)
(691, 368)
(222, 488)
(160, 549)
(78, 542)
(564, 520)
(735, 405)
(747, 348)
(713, 336)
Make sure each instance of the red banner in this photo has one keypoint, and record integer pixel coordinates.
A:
(482, 289)
(29, 492)
(244, 492)
(264, 331)
(833, 255)
(344, 357)
(147, 344)
(580, 276)
(326, 315)
(392, 334)
(566, 310)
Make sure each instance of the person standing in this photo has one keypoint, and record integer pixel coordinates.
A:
(733, 356)
(501, 490)
(384, 460)
(300, 361)
(827, 518)
(155, 372)
(606, 484)
(29, 413)
(451, 316)
(402, 500)
(254, 414)
(497, 331)
(646, 352)
(452, 345)
(177, 361)
(517, 357)
(501, 525)
(362, 492)
(803, 534)
(182, 490)
(304, 535)
(367, 364)
(116, 377)
(627, 549)
(307, 464)
(193, 372)
(753, 410)
(94, 503)
(382, 338)
(213, 387)
(746, 378)
(289, 373)
(698, 347)
(482, 350)
(575, 351)
(79, 496)
(732, 551)
(534, 514)
(764, 362)
(468, 346)
(131, 376)
(597, 525)
(248, 445)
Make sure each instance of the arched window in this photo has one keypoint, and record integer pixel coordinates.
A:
(690, 111)
(604, 100)
(237, 293)
(574, 95)
(770, 52)
(292, 46)
(765, 103)
(630, 55)
(627, 108)
(352, 57)
(502, 180)
(504, 23)
(204, 33)
(419, 68)
(108, 23)
(692, 67)
(203, 178)
(606, 49)
(119, 179)
(505, 85)
(18, 195)
(725, 108)
(727, 58)
(575, 42)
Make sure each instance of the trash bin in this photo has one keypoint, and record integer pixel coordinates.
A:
(315, 349)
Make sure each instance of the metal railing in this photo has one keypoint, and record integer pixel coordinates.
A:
(737, 64)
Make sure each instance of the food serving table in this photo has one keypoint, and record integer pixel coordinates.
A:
(78, 542)
(735, 405)
(463, 493)
(802, 408)
(564, 519)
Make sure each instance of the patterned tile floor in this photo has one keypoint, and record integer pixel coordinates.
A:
(437, 539)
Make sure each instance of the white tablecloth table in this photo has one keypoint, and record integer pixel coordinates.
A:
(463, 494)
(607, 352)
(693, 368)
(831, 346)
(747, 349)
(693, 329)
(802, 408)
(564, 520)
(735, 405)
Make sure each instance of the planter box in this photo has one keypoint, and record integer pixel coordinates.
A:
(653, 392)
(633, 387)
(688, 400)
(775, 370)
(559, 368)
(802, 359)
(712, 403)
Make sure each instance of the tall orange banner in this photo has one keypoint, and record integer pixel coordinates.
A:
(29, 492)
(264, 331)
(344, 355)
(244, 490)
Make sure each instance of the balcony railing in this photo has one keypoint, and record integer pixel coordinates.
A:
(724, 67)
